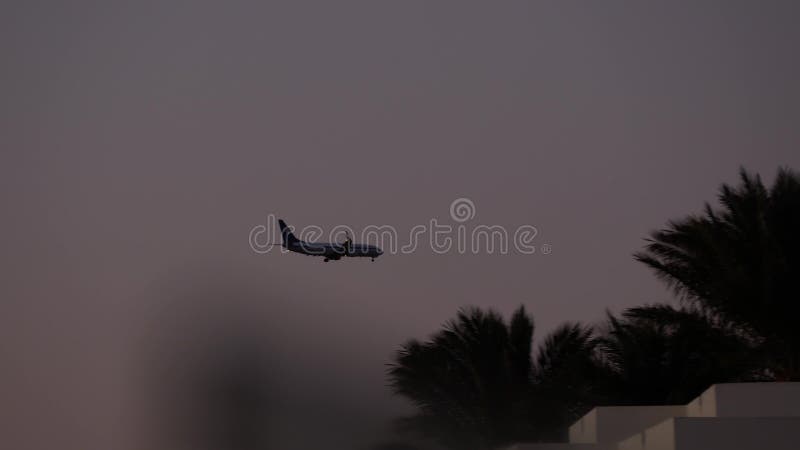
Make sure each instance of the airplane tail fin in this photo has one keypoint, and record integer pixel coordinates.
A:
(286, 233)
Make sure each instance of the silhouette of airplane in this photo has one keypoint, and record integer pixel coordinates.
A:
(331, 251)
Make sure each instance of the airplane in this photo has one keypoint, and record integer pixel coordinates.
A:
(331, 251)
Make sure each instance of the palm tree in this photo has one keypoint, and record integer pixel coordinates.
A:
(740, 264)
(656, 355)
(476, 385)
(567, 379)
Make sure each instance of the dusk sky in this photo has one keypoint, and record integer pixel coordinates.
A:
(142, 141)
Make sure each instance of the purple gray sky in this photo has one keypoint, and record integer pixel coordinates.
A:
(141, 141)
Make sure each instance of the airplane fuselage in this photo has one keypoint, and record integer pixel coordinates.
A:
(333, 250)
(328, 250)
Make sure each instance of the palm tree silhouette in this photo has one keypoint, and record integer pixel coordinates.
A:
(476, 385)
(662, 355)
(740, 264)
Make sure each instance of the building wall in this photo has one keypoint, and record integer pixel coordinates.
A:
(735, 416)
(611, 424)
(620, 422)
(584, 431)
(736, 433)
(661, 436)
(635, 442)
(747, 400)
(757, 400)
(705, 405)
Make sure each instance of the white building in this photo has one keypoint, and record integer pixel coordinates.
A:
(735, 416)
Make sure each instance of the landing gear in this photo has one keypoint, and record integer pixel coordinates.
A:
(373, 259)
(326, 259)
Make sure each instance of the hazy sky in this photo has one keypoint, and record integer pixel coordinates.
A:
(142, 141)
